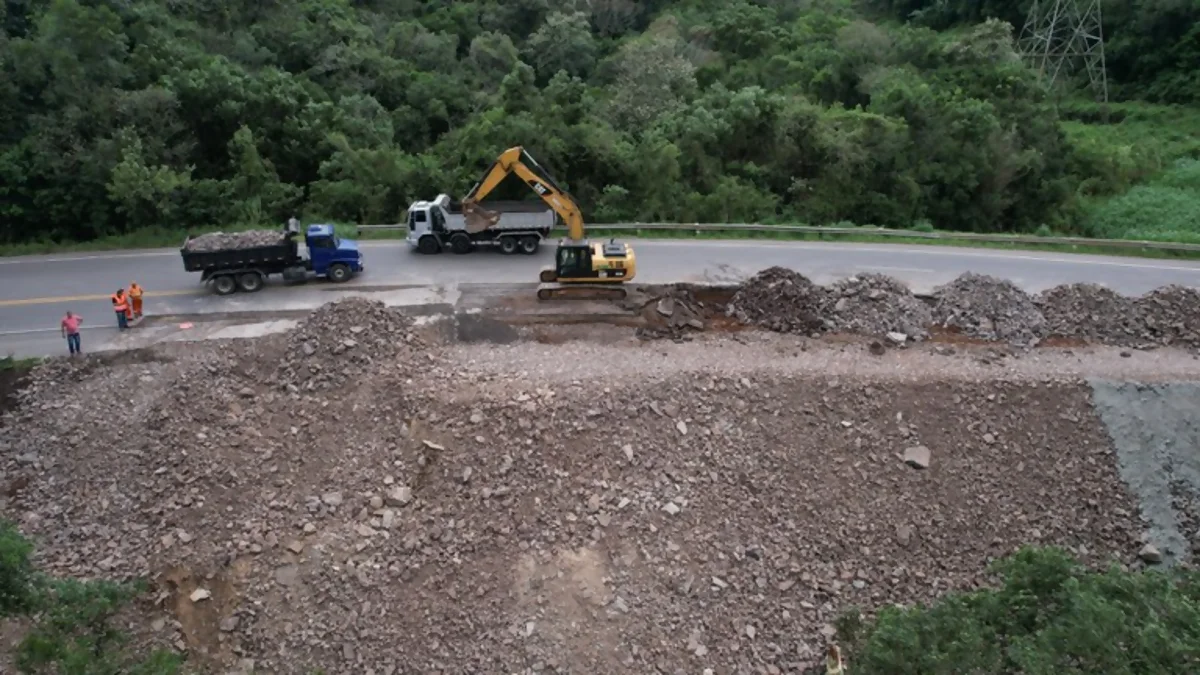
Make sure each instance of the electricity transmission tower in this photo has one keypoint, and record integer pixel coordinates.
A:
(1062, 37)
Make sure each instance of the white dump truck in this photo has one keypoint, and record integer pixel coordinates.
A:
(513, 226)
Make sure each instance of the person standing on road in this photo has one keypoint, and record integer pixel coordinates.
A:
(70, 330)
(121, 307)
(135, 295)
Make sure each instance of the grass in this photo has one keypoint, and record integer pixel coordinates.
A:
(11, 364)
(1049, 615)
(72, 624)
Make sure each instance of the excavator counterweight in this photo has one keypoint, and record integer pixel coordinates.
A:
(579, 265)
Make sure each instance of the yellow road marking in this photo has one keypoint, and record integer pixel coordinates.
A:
(84, 298)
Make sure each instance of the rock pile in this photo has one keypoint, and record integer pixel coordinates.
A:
(220, 241)
(520, 521)
(674, 313)
(1093, 313)
(875, 304)
(781, 300)
(988, 308)
(342, 340)
(1172, 315)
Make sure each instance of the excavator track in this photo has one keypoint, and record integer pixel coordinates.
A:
(594, 291)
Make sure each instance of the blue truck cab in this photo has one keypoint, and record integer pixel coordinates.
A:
(330, 255)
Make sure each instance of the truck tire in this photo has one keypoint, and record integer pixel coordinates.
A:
(529, 244)
(338, 273)
(429, 245)
(250, 282)
(460, 244)
(508, 245)
(224, 284)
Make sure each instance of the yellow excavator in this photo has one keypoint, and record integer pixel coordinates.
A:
(582, 269)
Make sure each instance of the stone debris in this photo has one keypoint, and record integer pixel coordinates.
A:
(221, 241)
(874, 304)
(917, 456)
(1093, 313)
(674, 314)
(781, 300)
(989, 308)
(1171, 315)
(533, 524)
(319, 353)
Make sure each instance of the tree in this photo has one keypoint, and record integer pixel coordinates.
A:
(563, 43)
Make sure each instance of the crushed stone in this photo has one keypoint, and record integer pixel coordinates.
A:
(780, 300)
(220, 241)
(875, 304)
(989, 308)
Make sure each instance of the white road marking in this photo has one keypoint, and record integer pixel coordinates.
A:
(885, 268)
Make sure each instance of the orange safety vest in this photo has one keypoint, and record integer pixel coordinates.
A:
(119, 303)
(135, 291)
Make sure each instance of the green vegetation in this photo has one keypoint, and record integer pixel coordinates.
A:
(1049, 616)
(131, 122)
(70, 623)
(10, 364)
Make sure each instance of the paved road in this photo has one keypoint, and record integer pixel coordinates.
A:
(35, 291)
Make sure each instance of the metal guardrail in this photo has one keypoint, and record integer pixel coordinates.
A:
(874, 232)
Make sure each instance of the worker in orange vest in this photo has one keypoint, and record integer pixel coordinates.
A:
(121, 307)
(135, 294)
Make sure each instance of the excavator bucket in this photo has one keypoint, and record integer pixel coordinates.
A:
(477, 218)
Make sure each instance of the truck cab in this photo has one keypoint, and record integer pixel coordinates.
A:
(428, 217)
(330, 255)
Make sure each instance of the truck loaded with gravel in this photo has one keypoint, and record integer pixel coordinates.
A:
(243, 260)
(513, 226)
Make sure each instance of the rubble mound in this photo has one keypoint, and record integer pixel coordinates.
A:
(221, 241)
(673, 314)
(343, 339)
(1172, 315)
(875, 304)
(988, 308)
(780, 300)
(1093, 313)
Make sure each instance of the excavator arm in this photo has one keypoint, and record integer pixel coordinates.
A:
(517, 160)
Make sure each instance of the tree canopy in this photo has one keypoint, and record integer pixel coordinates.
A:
(116, 116)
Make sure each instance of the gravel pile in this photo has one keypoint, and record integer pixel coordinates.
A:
(343, 341)
(451, 516)
(1172, 315)
(1093, 313)
(221, 241)
(988, 308)
(781, 300)
(875, 304)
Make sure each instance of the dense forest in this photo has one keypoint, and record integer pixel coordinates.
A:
(118, 115)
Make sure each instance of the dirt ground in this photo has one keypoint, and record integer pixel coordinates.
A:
(365, 496)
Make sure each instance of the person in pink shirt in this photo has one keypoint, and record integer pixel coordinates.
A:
(70, 330)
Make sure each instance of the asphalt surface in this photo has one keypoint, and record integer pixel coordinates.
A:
(36, 291)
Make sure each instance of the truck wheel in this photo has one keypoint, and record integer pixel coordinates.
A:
(339, 273)
(529, 244)
(460, 244)
(250, 282)
(508, 245)
(429, 245)
(225, 284)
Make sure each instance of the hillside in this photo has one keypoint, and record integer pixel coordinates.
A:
(119, 116)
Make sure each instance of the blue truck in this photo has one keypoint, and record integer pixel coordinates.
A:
(232, 264)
